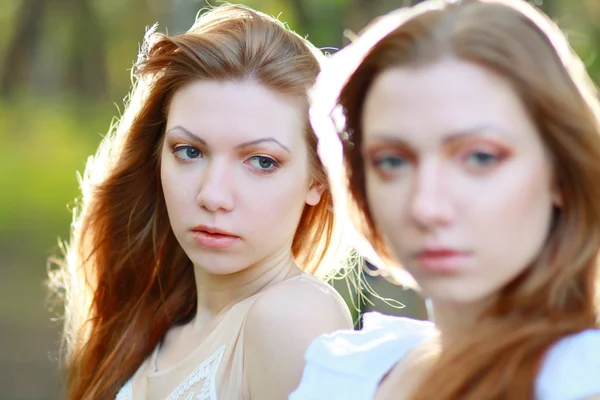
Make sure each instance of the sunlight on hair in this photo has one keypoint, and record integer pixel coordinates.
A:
(558, 295)
(327, 120)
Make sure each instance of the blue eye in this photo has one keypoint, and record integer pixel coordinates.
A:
(187, 152)
(481, 158)
(389, 162)
(264, 163)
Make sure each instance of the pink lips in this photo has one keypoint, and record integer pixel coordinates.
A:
(441, 261)
(213, 238)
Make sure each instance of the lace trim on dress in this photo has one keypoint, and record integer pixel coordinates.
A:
(206, 371)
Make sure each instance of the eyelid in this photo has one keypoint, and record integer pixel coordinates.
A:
(262, 155)
(383, 151)
(265, 155)
(481, 143)
(493, 150)
(493, 156)
(178, 143)
(272, 151)
(276, 164)
(178, 148)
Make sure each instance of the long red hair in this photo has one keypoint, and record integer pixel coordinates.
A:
(125, 279)
(556, 294)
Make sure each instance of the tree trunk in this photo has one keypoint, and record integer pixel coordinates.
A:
(23, 45)
(86, 70)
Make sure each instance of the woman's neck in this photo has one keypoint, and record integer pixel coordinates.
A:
(456, 320)
(219, 292)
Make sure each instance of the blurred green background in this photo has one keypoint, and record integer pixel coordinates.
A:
(64, 70)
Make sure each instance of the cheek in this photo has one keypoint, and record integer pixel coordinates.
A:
(178, 195)
(278, 201)
(518, 216)
(170, 195)
(166, 181)
(387, 203)
(273, 215)
(273, 200)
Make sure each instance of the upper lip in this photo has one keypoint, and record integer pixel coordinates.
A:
(439, 252)
(212, 229)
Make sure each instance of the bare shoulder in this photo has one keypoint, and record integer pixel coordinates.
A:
(293, 313)
(308, 302)
(280, 326)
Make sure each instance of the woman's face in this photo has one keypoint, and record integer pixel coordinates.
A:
(458, 180)
(235, 173)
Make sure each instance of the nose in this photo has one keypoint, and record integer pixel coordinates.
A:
(215, 192)
(431, 202)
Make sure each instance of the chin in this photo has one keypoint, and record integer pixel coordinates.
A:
(454, 301)
(218, 268)
(216, 264)
(454, 295)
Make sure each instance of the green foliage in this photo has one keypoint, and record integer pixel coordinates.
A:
(42, 147)
(49, 129)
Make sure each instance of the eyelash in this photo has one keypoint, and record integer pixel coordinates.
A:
(388, 163)
(178, 149)
(484, 159)
(275, 165)
(395, 160)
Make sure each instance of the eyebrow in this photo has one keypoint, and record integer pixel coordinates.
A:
(187, 133)
(454, 136)
(239, 146)
(262, 140)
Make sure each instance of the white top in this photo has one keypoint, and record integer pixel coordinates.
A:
(349, 365)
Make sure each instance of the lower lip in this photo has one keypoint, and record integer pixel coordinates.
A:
(214, 240)
(442, 264)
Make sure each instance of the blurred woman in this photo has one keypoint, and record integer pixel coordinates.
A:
(471, 146)
(203, 215)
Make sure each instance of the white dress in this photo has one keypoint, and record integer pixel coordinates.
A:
(349, 365)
